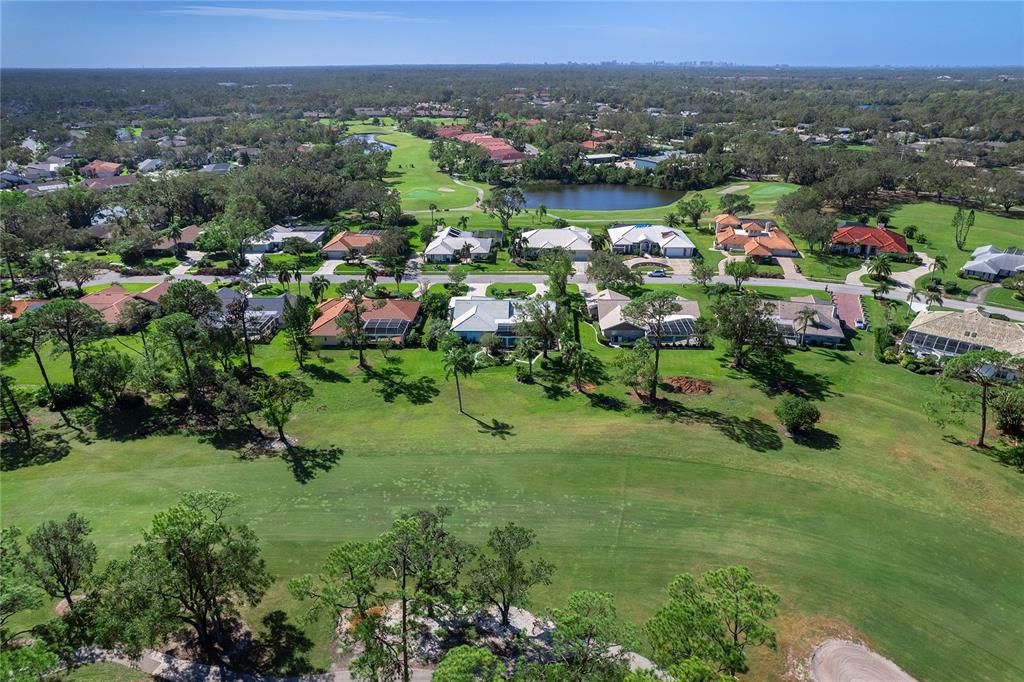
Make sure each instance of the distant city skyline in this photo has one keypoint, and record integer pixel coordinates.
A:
(224, 33)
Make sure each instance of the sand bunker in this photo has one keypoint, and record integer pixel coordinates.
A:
(445, 189)
(734, 188)
(837, 660)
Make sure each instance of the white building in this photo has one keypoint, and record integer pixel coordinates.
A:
(994, 264)
(651, 239)
(451, 244)
(574, 239)
(474, 316)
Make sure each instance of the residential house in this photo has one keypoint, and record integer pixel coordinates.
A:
(219, 167)
(103, 184)
(824, 330)
(264, 316)
(110, 302)
(40, 171)
(185, 242)
(856, 239)
(652, 162)
(596, 159)
(606, 308)
(273, 238)
(348, 245)
(40, 188)
(575, 240)
(946, 334)
(651, 239)
(100, 169)
(20, 306)
(474, 316)
(10, 179)
(451, 245)
(994, 264)
(63, 152)
(150, 165)
(759, 238)
(391, 318)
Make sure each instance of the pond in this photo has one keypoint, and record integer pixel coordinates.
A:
(368, 138)
(598, 197)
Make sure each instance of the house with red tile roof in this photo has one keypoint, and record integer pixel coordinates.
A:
(449, 132)
(856, 239)
(186, 241)
(110, 302)
(758, 238)
(19, 306)
(100, 169)
(591, 145)
(103, 184)
(391, 318)
(348, 244)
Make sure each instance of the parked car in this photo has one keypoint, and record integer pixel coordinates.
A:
(657, 273)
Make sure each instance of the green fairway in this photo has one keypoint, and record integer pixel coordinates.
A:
(127, 286)
(878, 524)
(415, 175)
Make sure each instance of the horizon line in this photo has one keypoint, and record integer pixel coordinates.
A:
(689, 65)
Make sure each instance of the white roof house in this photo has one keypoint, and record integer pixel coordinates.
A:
(273, 238)
(668, 241)
(448, 244)
(607, 306)
(474, 316)
(993, 264)
(572, 238)
(150, 165)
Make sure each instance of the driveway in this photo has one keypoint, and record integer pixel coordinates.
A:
(789, 269)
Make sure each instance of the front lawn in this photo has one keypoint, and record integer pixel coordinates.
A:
(1003, 297)
(511, 290)
(306, 262)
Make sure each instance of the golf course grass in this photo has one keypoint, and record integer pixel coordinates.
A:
(413, 173)
(877, 524)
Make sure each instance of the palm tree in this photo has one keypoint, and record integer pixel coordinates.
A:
(672, 219)
(933, 297)
(263, 269)
(371, 275)
(598, 240)
(882, 289)
(432, 207)
(527, 349)
(317, 287)
(297, 278)
(804, 317)
(175, 234)
(542, 212)
(463, 222)
(939, 265)
(284, 277)
(458, 359)
(880, 266)
(913, 295)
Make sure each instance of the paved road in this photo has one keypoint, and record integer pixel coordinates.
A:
(898, 294)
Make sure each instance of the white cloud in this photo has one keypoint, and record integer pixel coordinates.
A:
(277, 14)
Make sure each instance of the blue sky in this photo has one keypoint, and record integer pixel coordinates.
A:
(109, 33)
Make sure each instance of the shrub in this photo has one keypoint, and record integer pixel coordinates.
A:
(951, 286)
(65, 396)
(491, 343)
(910, 231)
(1008, 406)
(797, 414)
(523, 374)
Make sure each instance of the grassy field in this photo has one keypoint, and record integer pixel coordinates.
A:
(847, 527)
(105, 672)
(415, 175)
(127, 286)
(307, 262)
(1003, 297)
(518, 288)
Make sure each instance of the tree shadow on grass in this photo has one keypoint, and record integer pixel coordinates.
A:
(133, 423)
(281, 648)
(1008, 455)
(781, 376)
(496, 428)
(606, 402)
(749, 431)
(326, 374)
(307, 463)
(46, 447)
(392, 383)
(817, 439)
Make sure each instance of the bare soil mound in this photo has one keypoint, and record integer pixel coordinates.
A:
(689, 385)
(838, 660)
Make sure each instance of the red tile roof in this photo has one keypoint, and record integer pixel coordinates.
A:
(154, 293)
(100, 184)
(108, 302)
(188, 236)
(591, 145)
(389, 309)
(100, 169)
(346, 241)
(882, 239)
(20, 305)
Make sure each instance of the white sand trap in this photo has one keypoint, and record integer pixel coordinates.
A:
(837, 660)
(734, 188)
(445, 189)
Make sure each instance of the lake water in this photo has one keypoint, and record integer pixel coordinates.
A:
(370, 139)
(598, 197)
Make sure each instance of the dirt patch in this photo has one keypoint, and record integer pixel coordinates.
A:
(798, 636)
(734, 189)
(839, 660)
(445, 189)
(587, 389)
(689, 385)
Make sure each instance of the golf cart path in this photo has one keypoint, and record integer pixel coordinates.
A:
(839, 660)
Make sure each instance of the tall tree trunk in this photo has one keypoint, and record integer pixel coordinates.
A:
(10, 274)
(458, 392)
(73, 352)
(984, 415)
(657, 364)
(49, 387)
(405, 624)
(245, 342)
(17, 409)
(188, 370)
